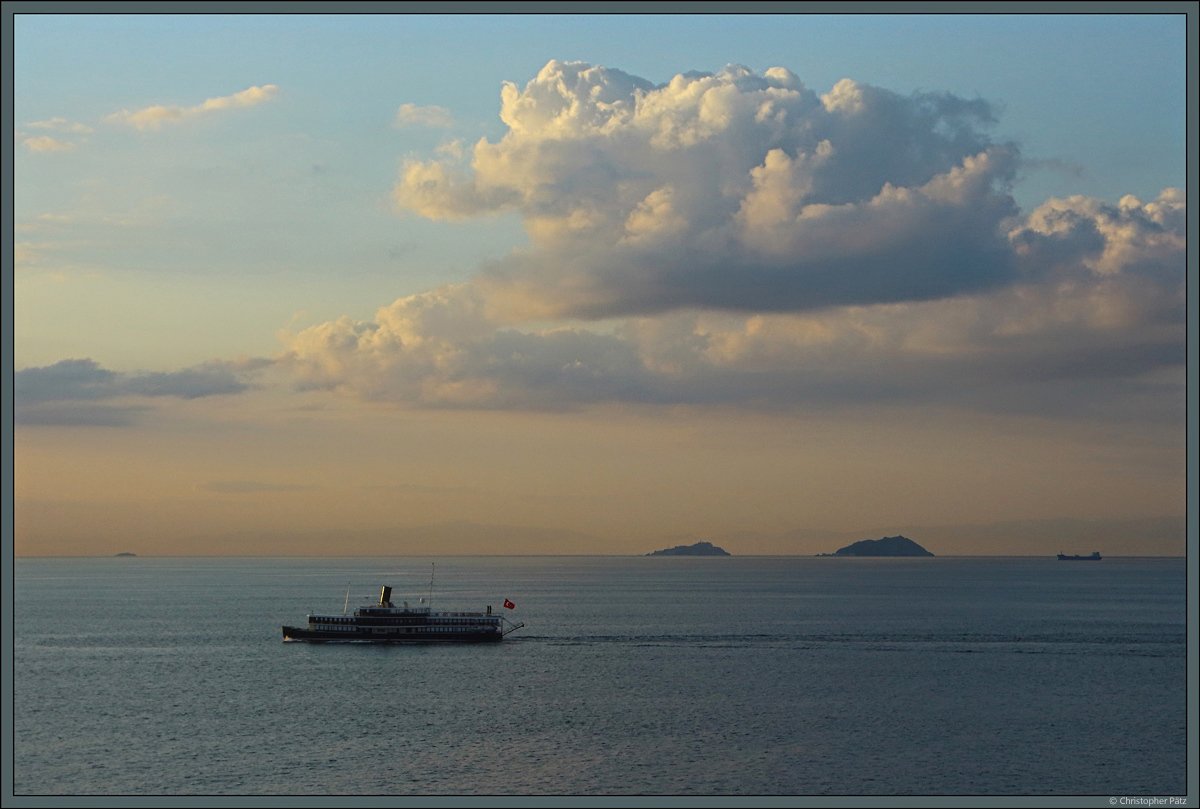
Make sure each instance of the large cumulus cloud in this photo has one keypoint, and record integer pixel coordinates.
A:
(737, 238)
(732, 190)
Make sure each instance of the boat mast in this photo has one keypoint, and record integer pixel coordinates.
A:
(346, 603)
(432, 570)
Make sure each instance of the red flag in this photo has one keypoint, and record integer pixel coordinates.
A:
(508, 605)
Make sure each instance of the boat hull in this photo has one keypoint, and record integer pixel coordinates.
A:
(373, 635)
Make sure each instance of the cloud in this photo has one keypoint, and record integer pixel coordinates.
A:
(45, 143)
(66, 379)
(737, 239)
(63, 393)
(431, 115)
(62, 125)
(1104, 239)
(50, 144)
(752, 243)
(1094, 306)
(152, 118)
(439, 349)
(732, 190)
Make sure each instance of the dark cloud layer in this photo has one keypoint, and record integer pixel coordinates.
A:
(69, 391)
(1094, 303)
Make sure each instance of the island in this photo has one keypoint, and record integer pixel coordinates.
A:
(698, 549)
(888, 546)
(125, 553)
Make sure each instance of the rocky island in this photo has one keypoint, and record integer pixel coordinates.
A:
(698, 549)
(888, 546)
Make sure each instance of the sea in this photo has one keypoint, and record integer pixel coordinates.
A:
(634, 676)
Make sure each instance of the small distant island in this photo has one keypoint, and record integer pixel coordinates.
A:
(125, 553)
(888, 546)
(698, 549)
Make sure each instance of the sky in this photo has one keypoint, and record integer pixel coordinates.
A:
(438, 284)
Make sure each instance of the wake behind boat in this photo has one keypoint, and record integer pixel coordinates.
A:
(386, 623)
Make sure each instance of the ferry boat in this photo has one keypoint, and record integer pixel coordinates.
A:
(386, 623)
(1095, 557)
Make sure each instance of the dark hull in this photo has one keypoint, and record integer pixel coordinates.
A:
(1065, 558)
(368, 636)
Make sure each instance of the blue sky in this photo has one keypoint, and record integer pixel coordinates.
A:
(218, 215)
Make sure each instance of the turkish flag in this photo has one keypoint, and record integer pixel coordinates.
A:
(508, 605)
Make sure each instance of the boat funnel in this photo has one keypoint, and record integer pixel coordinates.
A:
(385, 596)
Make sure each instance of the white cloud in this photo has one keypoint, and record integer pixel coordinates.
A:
(45, 143)
(768, 247)
(48, 143)
(724, 190)
(431, 115)
(1109, 238)
(62, 125)
(152, 118)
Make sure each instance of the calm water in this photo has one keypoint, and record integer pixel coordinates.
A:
(743, 676)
